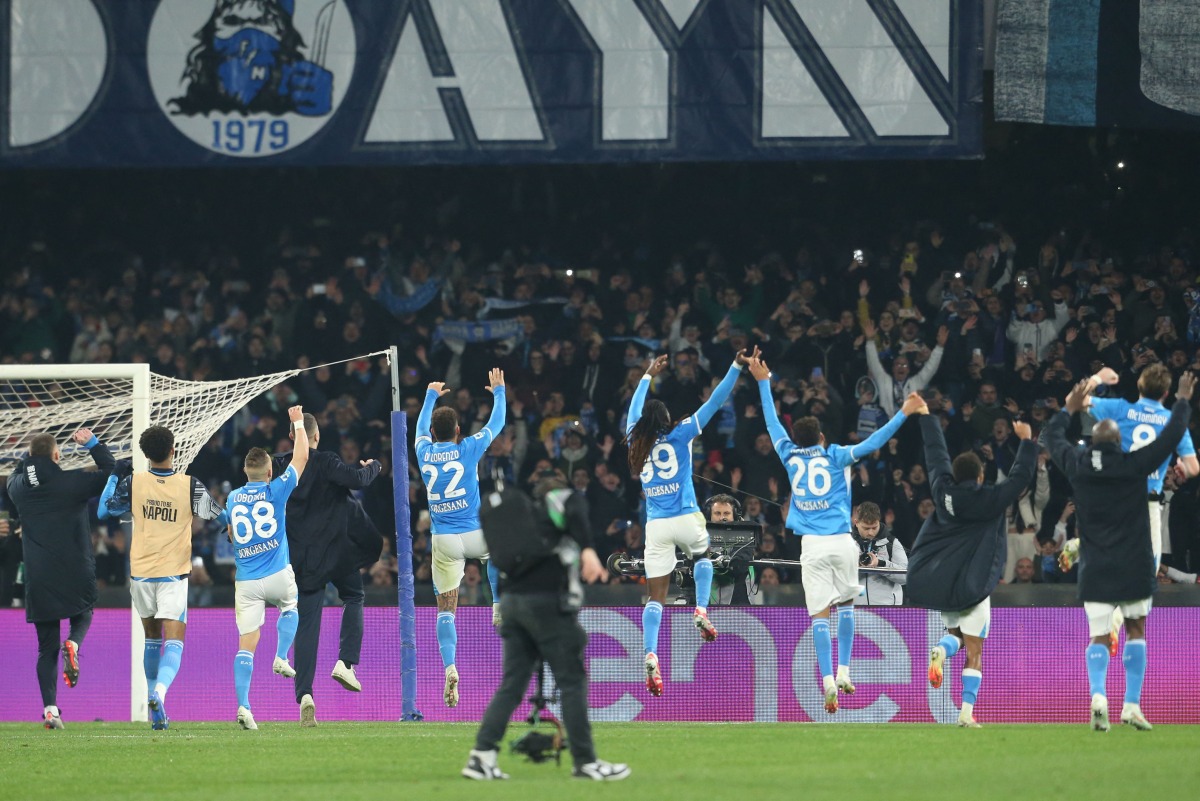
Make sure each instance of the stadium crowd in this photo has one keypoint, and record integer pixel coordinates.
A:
(988, 326)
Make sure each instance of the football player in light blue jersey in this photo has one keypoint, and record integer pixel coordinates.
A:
(660, 453)
(1141, 423)
(258, 531)
(449, 465)
(819, 512)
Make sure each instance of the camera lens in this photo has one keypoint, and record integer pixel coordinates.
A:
(864, 559)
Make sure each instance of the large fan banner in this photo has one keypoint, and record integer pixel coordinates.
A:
(106, 83)
(1124, 63)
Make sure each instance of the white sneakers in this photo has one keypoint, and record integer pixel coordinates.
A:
(967, 721)
(283, 668)
(450, 693)
(51, 718)
(1131, 715)
(1100, 713)
(343, 674)
(308, 712)
(481, 766)
(602, 771)
(246, 720)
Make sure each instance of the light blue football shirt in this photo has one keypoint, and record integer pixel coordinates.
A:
(667, 474)
(450, 470)
(819, 476)
(258, 516)
(1141, 423)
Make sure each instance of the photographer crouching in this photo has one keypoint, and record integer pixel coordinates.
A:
(542, 549)
(877, 547)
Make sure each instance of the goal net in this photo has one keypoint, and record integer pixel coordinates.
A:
(61, 401)
(117, 402)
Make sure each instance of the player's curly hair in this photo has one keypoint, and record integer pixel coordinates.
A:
(654, 423)
(443, 423)
(806, 432)
(156, 443)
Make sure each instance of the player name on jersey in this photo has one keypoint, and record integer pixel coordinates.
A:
(444, 456)
(1142, 417)
(448, 506)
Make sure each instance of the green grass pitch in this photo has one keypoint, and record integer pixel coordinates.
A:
(349, 761)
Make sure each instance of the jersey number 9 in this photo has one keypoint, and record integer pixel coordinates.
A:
(258, 519)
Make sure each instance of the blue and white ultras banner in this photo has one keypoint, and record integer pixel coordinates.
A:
(221, 82)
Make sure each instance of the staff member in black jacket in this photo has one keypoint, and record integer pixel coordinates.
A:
(541, 550)
(60, 567)
(959, 554)
(331, 539)
(1116, 556)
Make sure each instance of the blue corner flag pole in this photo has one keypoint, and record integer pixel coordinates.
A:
(404, 562)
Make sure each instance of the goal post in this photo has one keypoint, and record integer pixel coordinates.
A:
(405, 584)
(118, 402)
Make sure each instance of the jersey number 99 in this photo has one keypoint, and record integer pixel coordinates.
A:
(258, 519)
(663, 461)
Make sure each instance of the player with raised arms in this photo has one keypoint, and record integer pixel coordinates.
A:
(819, 512)
(258, 530)
(660, 453)
(449, 466)
(1141, 423)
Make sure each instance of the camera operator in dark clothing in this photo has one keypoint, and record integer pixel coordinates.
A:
(878, 548)
(540, 595)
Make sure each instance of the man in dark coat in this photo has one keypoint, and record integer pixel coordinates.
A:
(60, 567)
(1116, 556)
(331, 539)
(959, 554)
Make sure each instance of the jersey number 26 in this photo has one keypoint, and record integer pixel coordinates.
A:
(819, 480)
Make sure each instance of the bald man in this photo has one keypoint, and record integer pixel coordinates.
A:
(1116, 565)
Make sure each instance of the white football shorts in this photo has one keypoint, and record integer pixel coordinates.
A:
(972, 622)
(686, 532)
(450, 555)
(250, 598)
(1100, 615)
(160, 600)
(828, 571)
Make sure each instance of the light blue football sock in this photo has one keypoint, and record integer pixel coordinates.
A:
(950, 644)
(285, 627)
(447, 637)
(243, 669)
(971, 680)
(845, 635)
(703, 573)
(150, 659)
(494, 580)
(168, 666)
(823, 645)
(1135, 670)
(1097, 667)
(651, 620)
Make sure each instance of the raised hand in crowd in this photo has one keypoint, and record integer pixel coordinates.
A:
(1023, 430)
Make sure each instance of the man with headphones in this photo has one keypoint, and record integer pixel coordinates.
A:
(732, 587)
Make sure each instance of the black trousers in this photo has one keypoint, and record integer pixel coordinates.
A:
(48, 633)
(308, 629)
(535, 629)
